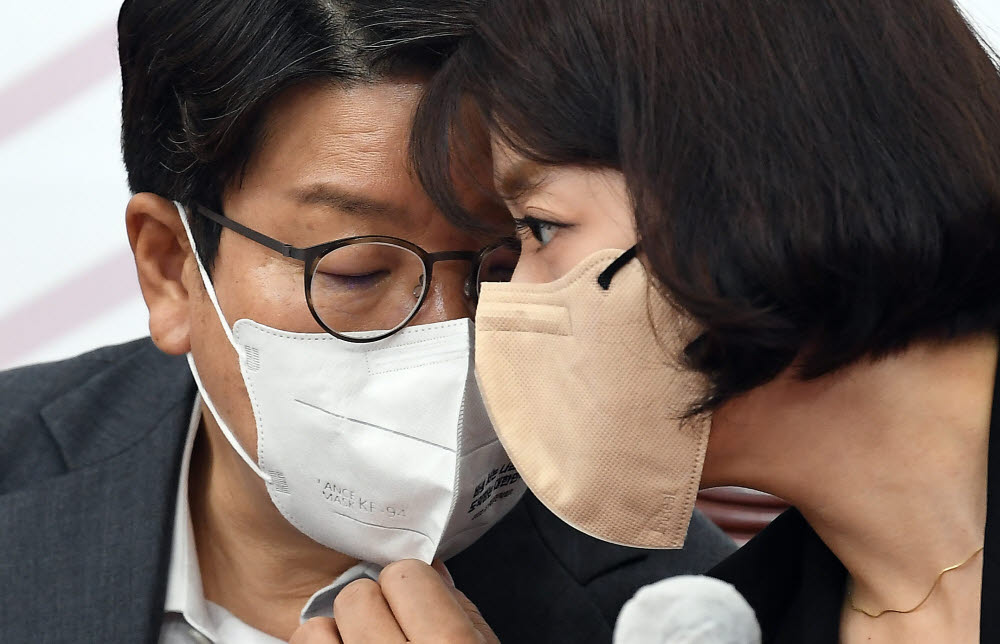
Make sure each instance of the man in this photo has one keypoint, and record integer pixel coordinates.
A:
(131, 508)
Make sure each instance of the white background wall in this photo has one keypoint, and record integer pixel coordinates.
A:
(67, 283)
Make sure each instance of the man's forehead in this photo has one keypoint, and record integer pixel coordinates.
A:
(319, 140)
(369, 121)
(343, 150)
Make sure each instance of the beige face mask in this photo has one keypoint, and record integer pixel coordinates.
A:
(589, 400)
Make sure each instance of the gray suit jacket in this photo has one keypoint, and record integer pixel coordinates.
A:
(89, 459)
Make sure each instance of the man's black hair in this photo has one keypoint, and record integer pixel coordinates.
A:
(198, 76)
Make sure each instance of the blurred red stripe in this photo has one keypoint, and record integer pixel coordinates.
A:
(740, 512)
(70, 305)
(47, 87)
(29, 98)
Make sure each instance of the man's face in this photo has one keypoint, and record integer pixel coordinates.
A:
(332, 164)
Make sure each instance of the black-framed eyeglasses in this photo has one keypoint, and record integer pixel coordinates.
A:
(366, 288)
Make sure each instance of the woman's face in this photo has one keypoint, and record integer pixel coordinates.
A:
(563, 214)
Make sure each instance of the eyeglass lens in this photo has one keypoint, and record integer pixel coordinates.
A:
(498, 265)
(372, 288)
(361, 288)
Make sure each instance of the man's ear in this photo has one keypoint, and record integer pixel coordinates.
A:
(162, 251)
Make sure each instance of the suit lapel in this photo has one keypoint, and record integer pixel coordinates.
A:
(86, 553)
(517, 577)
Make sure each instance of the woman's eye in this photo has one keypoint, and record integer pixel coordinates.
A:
(543, 231)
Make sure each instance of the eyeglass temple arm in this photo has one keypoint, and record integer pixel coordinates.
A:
(285, 249)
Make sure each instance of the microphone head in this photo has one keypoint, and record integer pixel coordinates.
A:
(690, 609)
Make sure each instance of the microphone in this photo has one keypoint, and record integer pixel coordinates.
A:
(690, 609)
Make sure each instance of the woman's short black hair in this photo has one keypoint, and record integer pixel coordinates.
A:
(815, 181)
(198, 76)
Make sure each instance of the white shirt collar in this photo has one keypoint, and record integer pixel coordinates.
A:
(185, 595)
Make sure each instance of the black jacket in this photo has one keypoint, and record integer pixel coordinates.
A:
(89, 458)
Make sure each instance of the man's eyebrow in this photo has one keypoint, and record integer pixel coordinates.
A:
(520, 179)
(347, 202)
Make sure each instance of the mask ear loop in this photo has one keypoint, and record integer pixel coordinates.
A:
(604, 279)
(229, 334)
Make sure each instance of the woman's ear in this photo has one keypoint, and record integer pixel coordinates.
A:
(161, 249)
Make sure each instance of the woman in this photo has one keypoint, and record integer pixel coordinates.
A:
(813, 189)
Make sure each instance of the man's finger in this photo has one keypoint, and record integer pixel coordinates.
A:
(364, 617)
(318, 630)
(425, 607)
(477, 619)
(439, 566)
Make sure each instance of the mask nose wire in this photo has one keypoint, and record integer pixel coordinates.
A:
(210, 289)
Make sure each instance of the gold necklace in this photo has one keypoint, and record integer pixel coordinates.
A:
(850, 591)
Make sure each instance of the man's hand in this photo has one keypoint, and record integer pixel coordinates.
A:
(412, 602)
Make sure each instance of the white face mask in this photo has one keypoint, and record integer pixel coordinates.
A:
(382, 451)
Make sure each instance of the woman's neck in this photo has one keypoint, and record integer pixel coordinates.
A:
(886, 460)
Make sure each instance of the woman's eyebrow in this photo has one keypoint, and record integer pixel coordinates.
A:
(521, 179)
